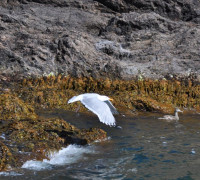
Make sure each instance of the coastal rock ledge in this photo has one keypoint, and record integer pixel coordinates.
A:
(143, 54)
(122, 39)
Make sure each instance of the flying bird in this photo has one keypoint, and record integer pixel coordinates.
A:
(99, 105)
(171, 117)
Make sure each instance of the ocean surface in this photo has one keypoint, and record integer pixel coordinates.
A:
(143, 148)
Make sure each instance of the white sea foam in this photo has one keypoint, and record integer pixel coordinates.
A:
(106, 139)
(68, 155)
(11, 173)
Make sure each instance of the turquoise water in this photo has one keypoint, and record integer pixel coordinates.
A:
(144, 148)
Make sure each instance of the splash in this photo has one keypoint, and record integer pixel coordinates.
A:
(68, 155)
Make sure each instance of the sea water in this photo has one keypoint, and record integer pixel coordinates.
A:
(144, 148)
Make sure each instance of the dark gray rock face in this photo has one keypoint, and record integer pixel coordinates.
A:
(100, 38)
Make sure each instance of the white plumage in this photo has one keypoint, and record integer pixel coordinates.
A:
(99, 105)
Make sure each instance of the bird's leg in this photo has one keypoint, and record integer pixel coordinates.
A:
(77, 109)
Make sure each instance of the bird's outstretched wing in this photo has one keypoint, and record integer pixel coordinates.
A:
(101, 109)
(112, 108)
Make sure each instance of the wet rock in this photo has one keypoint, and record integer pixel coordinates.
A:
(88, 136)
(34, 139)
(110, 47)
(6, 158)
(24, 135)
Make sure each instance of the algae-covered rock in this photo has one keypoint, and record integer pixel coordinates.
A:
(148, 104)
(28, 139)
(14, 108)
(130, 95)
(52, 133)
(93, 133)
(28, 136)
(6, 157)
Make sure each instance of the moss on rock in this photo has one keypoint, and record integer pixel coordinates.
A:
(163, 95)
(6, 157)
(35, 138)
(14, 108)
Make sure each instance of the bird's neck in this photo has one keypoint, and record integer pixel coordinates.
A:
(176, 115)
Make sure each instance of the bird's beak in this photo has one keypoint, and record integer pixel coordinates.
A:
(111, 99)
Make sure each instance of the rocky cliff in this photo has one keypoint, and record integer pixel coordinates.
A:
(145, 54)
(96, 38)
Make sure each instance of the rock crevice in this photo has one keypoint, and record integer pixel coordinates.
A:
(117, 39)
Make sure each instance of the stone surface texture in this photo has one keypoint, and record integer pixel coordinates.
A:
(100, 38)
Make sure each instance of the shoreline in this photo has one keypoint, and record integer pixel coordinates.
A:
(22, 126)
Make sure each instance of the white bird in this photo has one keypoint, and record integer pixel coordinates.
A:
(99, 105)
(171, 117)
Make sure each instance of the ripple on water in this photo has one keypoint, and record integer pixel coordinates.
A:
(144, 148)
(140, 158)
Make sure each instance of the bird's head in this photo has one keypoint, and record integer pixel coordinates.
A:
(73, 99)
(105, 98)
(178, 110)
(111, 99)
